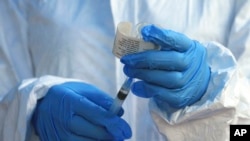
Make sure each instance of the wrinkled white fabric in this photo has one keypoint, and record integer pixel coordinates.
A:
(73, 39)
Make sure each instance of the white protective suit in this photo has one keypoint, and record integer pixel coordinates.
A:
(47, 42)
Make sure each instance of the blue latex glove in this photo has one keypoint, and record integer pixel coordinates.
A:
(177, 74)
(76, 111)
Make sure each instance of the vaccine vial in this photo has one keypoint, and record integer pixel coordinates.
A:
(129, 40)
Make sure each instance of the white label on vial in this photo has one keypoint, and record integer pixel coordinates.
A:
(126, 44)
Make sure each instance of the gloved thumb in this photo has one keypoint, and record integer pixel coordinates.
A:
(141, 89)
(167, 39)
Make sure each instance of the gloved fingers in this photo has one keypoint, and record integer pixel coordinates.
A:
(140, 89)
(83, 127)
(101, 98)
(168, 79)
(119, 128)
(93, 94)
(73, 137)
(98, 115)
(163, 60)
(174, 97)
(167, 39)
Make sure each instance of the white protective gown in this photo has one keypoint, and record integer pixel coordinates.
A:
(47, 42)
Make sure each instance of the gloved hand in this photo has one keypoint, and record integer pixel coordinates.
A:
(177, 74)
(76, 111)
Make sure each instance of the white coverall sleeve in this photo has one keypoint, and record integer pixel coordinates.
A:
(34, 42)
(20, 88)
(226, 100)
